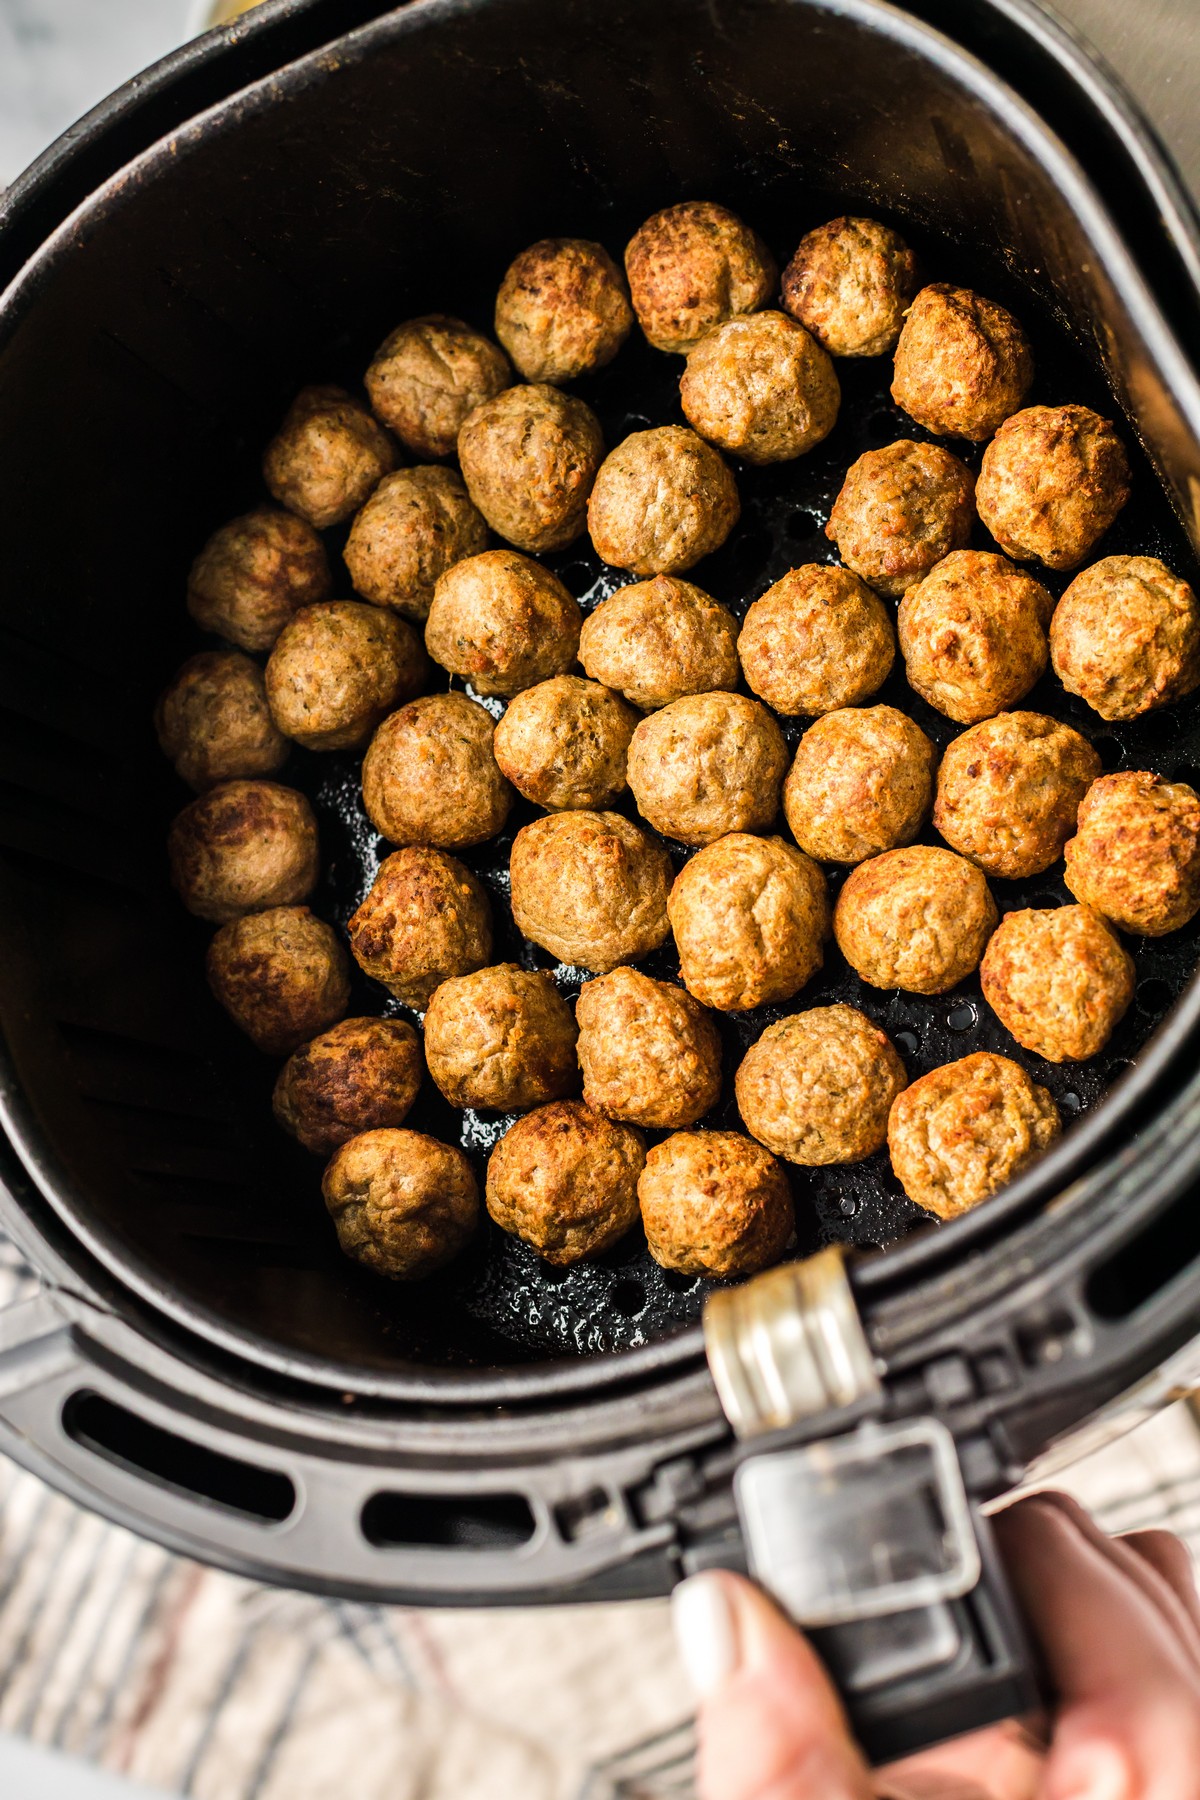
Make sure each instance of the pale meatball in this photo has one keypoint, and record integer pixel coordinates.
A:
(563, 744)
(501, 1038)
(564, 1180)
(750, 917)
(963, 364)
(692, 267)
(591, 888)
(214, 724)
(650, 1054)
(281, 975)
(817, 640)
(1051, 483)
(899, 511)
(850, 282)
(663, 499)
(503, 623)
(1125, 637)
(1059, 980)
(861, 782)
(817, 1087)
(361, 1075)
(707, 765)
(1008, 792)
(760, 388)
(973, 635)
(655, 641)
(529, 458)
(328, 455)
(428, 375)
(338, 669)
(714, 1203)
(430, 775)
(254, 574)
(1135, 858)
(243, 846)
(402, 1204)
(425, 919)
(417, 524)
(916, 919)
(563, 309)
(959, 1134)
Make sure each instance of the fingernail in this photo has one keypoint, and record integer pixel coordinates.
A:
(705, 1631)
(1094, 1772)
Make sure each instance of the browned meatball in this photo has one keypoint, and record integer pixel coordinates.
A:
(564, 1179)
(1058, 980)
(973, 635)
(243, 846)
(214, 723)
(563, 744)
(503, 623)
(967, 1129)
(649, 1053)
(328, 455)
(1009, 789)
(417, 524)
(861, 782)
(662, 500)
(337, 669)
(655, 641)
(707, 765)
(916, 919)
(692, 267)
(817, 1087)
(428, 375)
(591, 888)
(361, 1075)
(501, 1038)
(963, 364)
(426, 918)
(750, 917)
(1052, 481)
(563, 309)
(1135, 858)
(430, 777)
(529, 458)
(900, 510)
(850, 283)
(281, 975)
(402, 1204)
(254, 573)
(760, 388)
(714, 1203)
(816, 641)
(1125, 637)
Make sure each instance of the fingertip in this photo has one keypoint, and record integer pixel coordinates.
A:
(706, 1630)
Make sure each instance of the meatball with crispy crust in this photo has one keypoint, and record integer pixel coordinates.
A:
(1059, 980)
(817, 1087)
(337, 669)
(254, 574)
(501, 1038)
(1135, 857)
(900, 510)
(750, 917)
(529, 458)
(817, 640)
(760, 388)
(591, 888)
(973, 635)
(243, 846)
(650, 1054)
(428, 375)
(361, 1075)
(563, 309)
(663, 499)
(916, 919)
(503, 623)
(1052, 481)
(426, 918)
(1125, 637)
(715, 1203)
(964, 1131)
(564, 1179)
(861, 782)
(563, 744)
(281, 975)
(403, 1204)
(707, 765)
(430, 775)
(417, 524)
(327, 456)
(1009, 789)
(214, 723)
(850, 283)
(963, 364)
(657, 640)
(690, 268)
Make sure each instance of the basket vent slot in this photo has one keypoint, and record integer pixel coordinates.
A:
(452, 1521)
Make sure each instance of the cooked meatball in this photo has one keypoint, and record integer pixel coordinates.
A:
(750, 917)
(564, 1179)
(501, 1038)
(649, 1053)
(503, 623)
(760, 388)
(850, 283)
(417, 524)
(707, 765)
(337, 669)
(900, 510)
(692, 267)
(916, 919)
(1052, 481)
(861, 782)
(817, 1087)
(816, 641)
(329, 454)
(1058, 980)
(563, 744)
(361, 1075)
(714, 1203)
(281, 975)
(963, 364)
(563, 309)
(1125, 637)
(1008, 792)
(591, 888)
(655, 641)
(1135, 858)
(973, 635)
(529, 458)
(243, 846)
(402, 1204)
(662, 500)
(214, 724)
(428, 375)
(430, 777)
(254, 574)
(962, 1132)
(426, 918)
